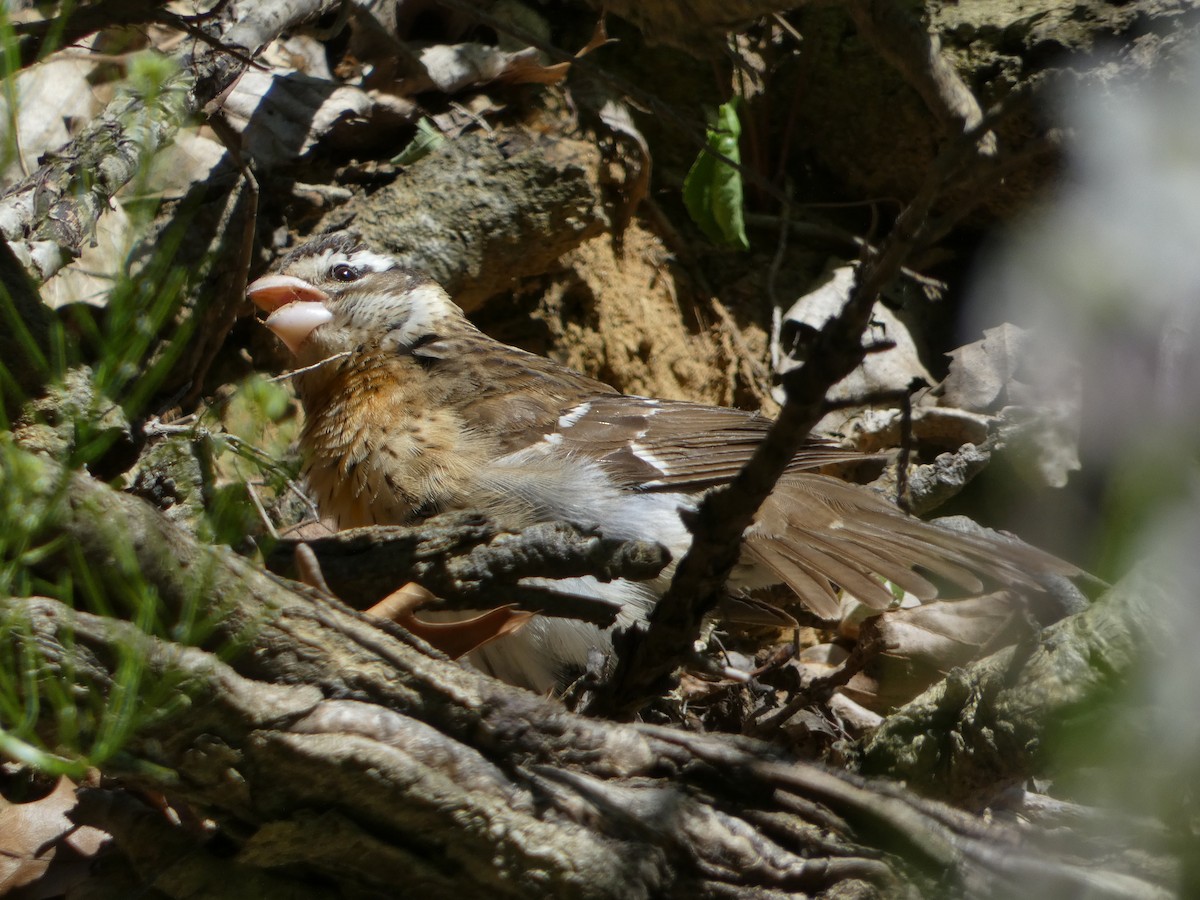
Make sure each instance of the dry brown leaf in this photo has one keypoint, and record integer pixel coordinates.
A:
(615, 114)
(1036, 391)
(532, 71)
(889, 370)
(454, 638)
(598, 39)
(283, 115)
(452, 68)
(39, 844)
(981, 373)
(922, 643)
(457, 639)
(50, 98)
(945, 634)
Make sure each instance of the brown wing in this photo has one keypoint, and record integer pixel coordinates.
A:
(520, 399)
(673, 445)
(814, 533)
(511, 395)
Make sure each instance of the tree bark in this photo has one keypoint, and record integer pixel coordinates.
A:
(326, 743)
(989, 726)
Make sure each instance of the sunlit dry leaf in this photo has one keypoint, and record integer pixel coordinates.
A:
(922, 643)
(49, 98)
(893, 369)
(39, 842)
(452, 68)
(284, 115)
(1035, 389)
(598, 39)
(981, 373)
(615, 114)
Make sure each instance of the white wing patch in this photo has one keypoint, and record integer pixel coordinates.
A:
(646, 455)
(553, 485)
(571, 416)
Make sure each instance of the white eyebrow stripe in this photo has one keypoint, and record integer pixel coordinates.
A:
(375, 262)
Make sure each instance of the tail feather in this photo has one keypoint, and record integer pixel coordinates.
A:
(859, 580)
(921, 546)
(814, 589)
(885, 561)
(816, 532)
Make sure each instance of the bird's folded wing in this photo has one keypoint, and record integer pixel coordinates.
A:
(815, 533)
(664, 445)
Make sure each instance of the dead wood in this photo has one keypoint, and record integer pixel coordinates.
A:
(485, 210)
(988, 727)
(328, 745)
(470, 564)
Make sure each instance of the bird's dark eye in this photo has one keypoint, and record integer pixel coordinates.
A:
(343, 272)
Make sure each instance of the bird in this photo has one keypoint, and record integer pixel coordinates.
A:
(410, 410)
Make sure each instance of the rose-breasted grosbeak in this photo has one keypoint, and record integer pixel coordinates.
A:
(411, 410)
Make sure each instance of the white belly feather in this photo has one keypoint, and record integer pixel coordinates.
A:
(549, 486)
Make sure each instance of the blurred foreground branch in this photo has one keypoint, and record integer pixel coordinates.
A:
(989, 726)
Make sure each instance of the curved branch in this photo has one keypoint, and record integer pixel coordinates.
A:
(428, 773)
(403, 802)
(467, 562)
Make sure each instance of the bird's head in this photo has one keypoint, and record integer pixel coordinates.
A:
(334, 295)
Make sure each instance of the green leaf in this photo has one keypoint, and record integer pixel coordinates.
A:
(427, 139)
(712, 190)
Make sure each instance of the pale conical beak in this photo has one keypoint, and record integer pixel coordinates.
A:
(295, 306)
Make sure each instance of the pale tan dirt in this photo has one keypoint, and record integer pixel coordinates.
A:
(628, 315)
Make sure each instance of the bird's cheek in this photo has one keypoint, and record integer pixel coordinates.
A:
(294, 322)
